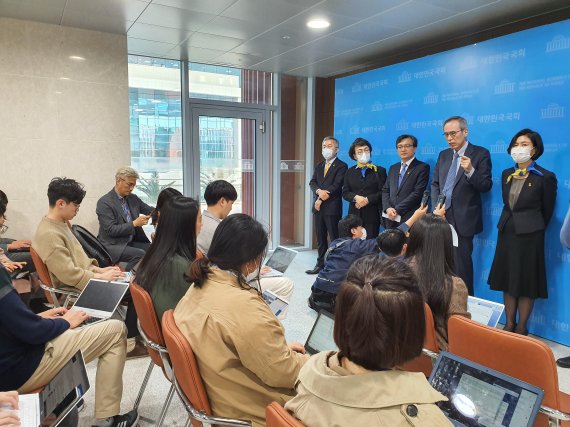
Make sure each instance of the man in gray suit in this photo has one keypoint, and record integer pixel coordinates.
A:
(120, 222)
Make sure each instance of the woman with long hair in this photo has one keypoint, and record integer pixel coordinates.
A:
(379, 325)
(239, 344)
(430, 254)
(161, 271)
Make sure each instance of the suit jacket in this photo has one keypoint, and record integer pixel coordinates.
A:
(332, 183)
(114, 230)
(408, 197)
(368, 186)
(466, 196)
(535, 205)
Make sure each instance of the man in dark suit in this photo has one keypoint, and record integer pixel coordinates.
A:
(120, 222)
(462, 173)
(407, 180)
(326, 186)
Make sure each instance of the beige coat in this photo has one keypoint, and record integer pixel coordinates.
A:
(330, 396)
(240, 348)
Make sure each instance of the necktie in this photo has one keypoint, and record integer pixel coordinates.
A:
(126, 209)
(450, 180)
(327, 166)
(402, 174)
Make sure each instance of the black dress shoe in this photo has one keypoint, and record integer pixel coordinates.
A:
(564, 362)
(314, 270)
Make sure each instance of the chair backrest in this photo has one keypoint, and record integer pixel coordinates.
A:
(185, 366)
(92, 247)
(277, 416)
(424, 363)
(43, 273)
(148, 320)
(519, 356)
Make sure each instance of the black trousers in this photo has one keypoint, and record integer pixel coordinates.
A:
(325, 225)
(133, 253)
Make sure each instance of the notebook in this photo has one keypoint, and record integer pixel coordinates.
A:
(279, 261)
(99, 299)
(50, 406)
(321, 337)
(485, 311)
(480, 396)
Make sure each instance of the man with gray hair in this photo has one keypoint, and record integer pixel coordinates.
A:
(121, 217)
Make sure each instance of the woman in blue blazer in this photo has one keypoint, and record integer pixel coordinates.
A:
(529, 194)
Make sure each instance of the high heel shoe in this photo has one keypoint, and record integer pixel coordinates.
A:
(509, 327)
(523, 332)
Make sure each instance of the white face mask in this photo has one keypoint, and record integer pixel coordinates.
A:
(363, 237)
(363, 158)
(252, 278)
(521, 154)
(327, 153)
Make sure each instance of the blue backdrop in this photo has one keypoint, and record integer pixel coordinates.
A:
(500, 86)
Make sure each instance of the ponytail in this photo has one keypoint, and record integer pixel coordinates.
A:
(198, 271)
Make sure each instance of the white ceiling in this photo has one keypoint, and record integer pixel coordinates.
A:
(271, 35)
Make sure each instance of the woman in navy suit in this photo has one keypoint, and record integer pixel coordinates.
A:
(363, 187)
(529, 194)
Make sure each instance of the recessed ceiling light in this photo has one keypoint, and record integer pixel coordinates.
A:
(286, 37)
(77, 58)
(64, 78)
(318, 23)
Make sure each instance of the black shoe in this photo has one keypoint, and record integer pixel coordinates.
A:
(129, 419)
(314, 270)
(139, 350)
(320, 300)
(564, 362)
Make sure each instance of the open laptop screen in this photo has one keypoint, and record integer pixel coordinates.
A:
(484, 311)
(101, 295)
(281, 258)
(64, 391)
(321, 337)
(480, 396)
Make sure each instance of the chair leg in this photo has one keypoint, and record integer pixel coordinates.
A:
(165, 407)
(143, 385)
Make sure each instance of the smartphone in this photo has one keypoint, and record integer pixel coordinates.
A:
(441, 200)
(425, 199)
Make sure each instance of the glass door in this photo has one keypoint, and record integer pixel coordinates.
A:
(228, 144)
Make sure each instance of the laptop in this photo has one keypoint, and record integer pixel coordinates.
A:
(321, 337)
(480, 396)
(279, 261)
(50, 406)
(277, 304)
(485, 311)
(99, 299)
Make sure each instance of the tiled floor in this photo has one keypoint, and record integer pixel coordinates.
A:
(297, 326)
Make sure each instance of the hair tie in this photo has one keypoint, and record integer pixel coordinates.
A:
(368, 283)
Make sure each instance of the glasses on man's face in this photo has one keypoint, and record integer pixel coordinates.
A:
(452, 133)
(129, 184)
(362, 150)
(3, 228)
(404, 147)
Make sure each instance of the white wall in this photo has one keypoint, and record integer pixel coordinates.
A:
(59, 117)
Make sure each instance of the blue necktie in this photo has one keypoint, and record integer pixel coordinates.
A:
(450, 180)
(402, 174)
(126, 209)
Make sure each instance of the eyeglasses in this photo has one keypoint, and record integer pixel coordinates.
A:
(3, 228)
(404, 147)
(129, 184)
(452, 133)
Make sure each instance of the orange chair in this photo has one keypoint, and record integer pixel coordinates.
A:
(277, 416)
(519, 356)
(187, 379)
(424, 362)
(46, 284)
(151, 334)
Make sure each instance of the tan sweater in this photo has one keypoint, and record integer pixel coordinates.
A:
(60, 250)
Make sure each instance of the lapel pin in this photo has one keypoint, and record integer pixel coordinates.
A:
(530, 184)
